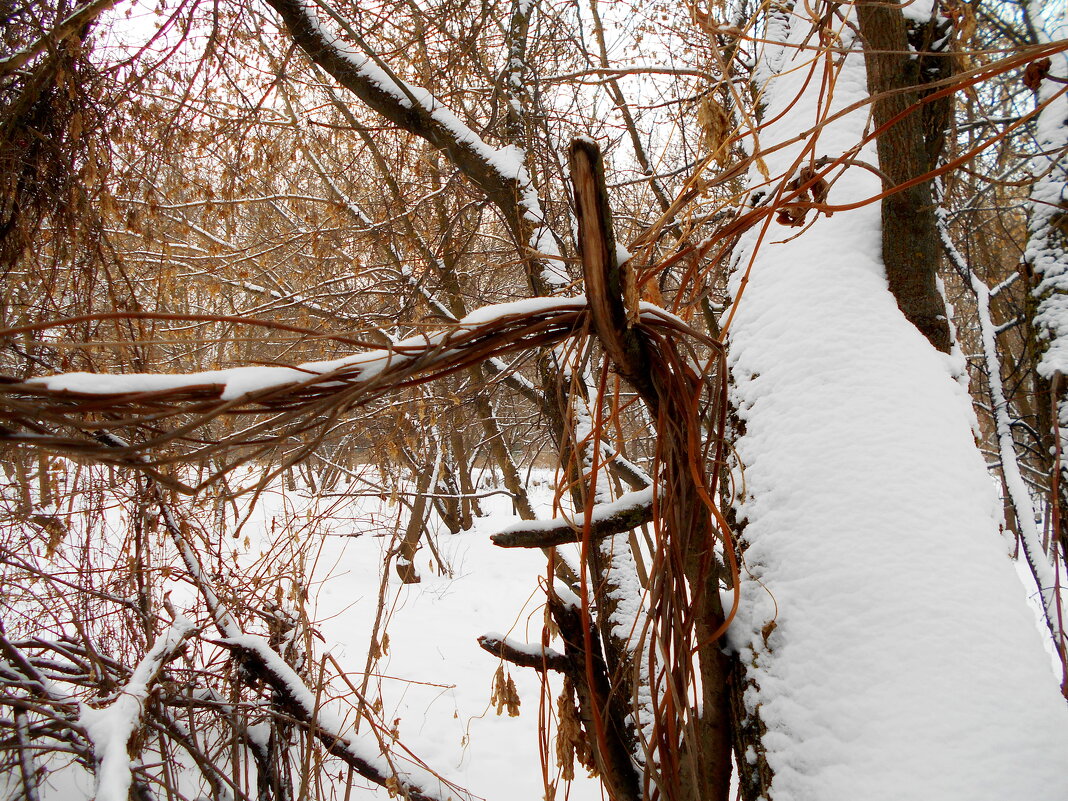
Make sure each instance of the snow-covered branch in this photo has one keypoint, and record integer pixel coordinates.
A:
(326, 719)
(522, 654)
(277, 395)
(630, 510)
(501, 173)
(1042, 570)
(110, 727)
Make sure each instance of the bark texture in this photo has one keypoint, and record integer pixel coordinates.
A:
(909, 141)
(702, 770)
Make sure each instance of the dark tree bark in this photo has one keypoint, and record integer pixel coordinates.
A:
(910, 139)
(703, 768)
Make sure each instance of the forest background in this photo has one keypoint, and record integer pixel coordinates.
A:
(738, 326)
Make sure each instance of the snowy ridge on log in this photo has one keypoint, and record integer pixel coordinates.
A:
(110, 727)
(869, 518)
(629, 510)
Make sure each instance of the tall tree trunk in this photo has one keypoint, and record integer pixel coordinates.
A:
(909, 142)
(867, 508)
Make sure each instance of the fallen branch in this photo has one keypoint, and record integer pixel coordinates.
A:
(55, 412)
(630, 510)
(110, 727)
(524, 655)
(260, 660)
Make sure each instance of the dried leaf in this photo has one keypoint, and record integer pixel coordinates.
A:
(817, 186)
(762, 166)
(571, 742)
(504, 694)
(716, 126)
(792, 215)
(962, 16)
(766, 632)
(814, 190)
(1035, 73)
(57, 532)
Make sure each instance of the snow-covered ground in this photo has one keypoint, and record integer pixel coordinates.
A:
(433, 681)
(866, 667)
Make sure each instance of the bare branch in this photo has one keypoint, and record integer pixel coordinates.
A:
(524, 655)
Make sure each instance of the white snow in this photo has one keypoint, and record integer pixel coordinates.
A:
(904, 662)
(918, 11)
(435, 677)
(433, 680)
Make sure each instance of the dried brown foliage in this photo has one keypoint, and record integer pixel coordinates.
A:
(1035, 73)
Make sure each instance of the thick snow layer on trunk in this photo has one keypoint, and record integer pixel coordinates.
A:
(903, 661)
(1047, 247)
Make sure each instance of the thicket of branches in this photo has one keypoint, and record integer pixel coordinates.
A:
(241, 187)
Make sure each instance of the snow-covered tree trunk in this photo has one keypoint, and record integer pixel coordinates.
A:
(888, 648)
(1047, 258)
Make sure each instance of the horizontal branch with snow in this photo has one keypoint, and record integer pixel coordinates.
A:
(630, 510)
(57, 412)
(54, 412)
(523, 654)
